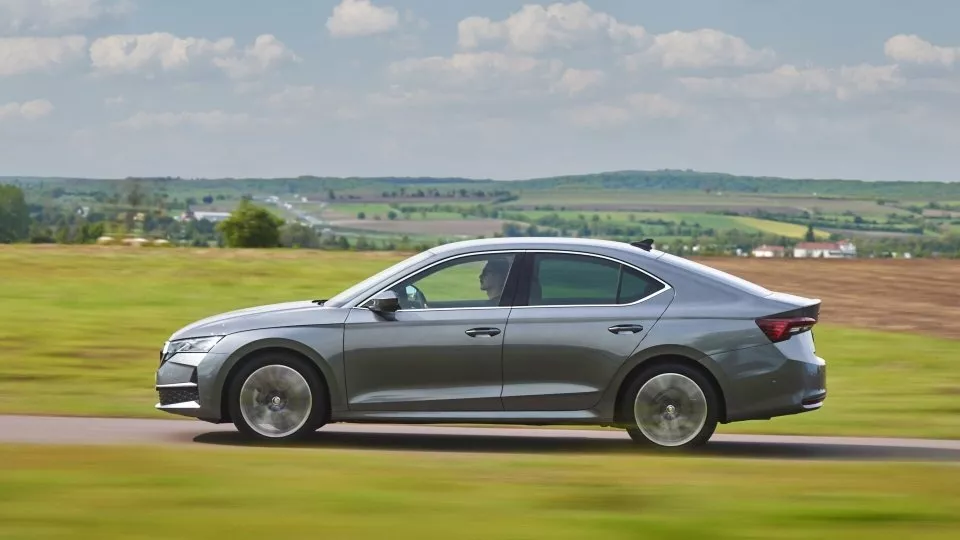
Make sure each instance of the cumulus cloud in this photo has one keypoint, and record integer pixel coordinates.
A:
(472, 67)
(911, 49)
(352, 18)
(575, 81)
(29, 54)
(843, 83)
(209, 120)
(29, 110)
(536, 28)
(57, 15)
(704, 48)
(637, 106)
(167, 52)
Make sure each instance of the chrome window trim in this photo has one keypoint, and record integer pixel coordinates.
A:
(666, 286)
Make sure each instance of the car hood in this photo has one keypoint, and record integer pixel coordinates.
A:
(298, 313)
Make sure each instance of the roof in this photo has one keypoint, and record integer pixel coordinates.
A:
(818, 245)
(543, 242)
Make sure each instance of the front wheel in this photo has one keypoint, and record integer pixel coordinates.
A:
(670, 406)
(276, 397)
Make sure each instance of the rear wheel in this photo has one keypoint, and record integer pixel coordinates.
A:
(670, 406)
(277, 397)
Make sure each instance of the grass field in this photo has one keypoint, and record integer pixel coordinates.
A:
(82, 326)
(145, 493)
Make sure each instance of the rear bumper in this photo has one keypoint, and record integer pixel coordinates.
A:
(772, 380)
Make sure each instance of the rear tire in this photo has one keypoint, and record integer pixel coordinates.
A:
(671, 407)
(277, 397)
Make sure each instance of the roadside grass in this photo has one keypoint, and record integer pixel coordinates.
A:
(81, 330)
(184, 492)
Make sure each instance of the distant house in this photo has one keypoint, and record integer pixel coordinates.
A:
(826, 250)
(769, 251)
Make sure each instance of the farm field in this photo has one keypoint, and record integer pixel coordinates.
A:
(446, 227)
(82, 326)
(190, 492)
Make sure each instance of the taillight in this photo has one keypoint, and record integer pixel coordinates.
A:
(783, 329)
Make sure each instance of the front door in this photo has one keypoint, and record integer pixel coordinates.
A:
(442, 351)
(585, 316)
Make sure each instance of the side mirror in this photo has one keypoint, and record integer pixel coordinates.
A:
(385, 302)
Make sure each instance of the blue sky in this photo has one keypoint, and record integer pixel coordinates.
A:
(485, 89)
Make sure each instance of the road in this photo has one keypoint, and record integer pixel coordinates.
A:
(109, 431)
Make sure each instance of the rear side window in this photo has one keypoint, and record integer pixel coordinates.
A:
(566, 279)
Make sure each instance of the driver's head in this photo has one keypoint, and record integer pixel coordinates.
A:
(493, 277)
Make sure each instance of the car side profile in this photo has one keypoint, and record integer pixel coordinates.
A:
(529, 331)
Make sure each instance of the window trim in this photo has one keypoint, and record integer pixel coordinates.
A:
(528, 269)
(510, 285)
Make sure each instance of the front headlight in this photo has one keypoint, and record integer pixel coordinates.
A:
(192, 345)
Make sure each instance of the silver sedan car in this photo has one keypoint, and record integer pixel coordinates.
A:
(509, 331)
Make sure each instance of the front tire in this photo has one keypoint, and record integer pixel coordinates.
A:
(670, 406)
(277, 397)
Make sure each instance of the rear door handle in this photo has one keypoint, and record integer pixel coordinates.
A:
(474, 332)
(621, 328)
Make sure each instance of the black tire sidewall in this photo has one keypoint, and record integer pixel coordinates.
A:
(710, 424)
(317, 412)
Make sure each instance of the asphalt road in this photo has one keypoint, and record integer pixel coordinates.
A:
(109, 431)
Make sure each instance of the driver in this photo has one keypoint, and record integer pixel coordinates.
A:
(493, 278)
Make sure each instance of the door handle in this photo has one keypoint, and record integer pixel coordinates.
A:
(474, 332)
(621, 328)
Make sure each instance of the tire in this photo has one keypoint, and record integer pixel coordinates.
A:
(694, 404)
(277, 386)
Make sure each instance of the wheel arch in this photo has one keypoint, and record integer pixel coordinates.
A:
(668, 355)
(274, 345)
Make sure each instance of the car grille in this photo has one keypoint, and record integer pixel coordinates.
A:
(169, 396)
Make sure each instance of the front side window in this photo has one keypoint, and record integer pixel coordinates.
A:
(566, 279)
(475, 281)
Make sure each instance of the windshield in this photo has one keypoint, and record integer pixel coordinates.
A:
(401, 266)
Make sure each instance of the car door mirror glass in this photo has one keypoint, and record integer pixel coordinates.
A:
(385, 302)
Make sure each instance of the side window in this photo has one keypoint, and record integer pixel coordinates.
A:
(563, 279)
(476, 281)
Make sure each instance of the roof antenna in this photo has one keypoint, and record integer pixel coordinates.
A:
(645, 244)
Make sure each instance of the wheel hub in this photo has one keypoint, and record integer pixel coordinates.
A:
(670, 409)
(276, 400)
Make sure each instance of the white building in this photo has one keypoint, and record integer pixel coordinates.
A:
(769, 251)
(826, 250)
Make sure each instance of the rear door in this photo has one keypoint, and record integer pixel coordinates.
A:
(576, 319)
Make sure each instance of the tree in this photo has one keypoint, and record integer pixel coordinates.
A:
(810, 236)
(251, 226)
(14, 215)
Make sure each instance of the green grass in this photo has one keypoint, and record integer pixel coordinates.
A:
(145, 493)
(789, 230)
(81, 329)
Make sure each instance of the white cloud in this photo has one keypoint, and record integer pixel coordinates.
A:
(265, 53)
(57, 15)
(843, 83)
(535, 28)
(704, 48)
(209, 120)
(167, 52)
(575, 81)
(29, 54)
(29, 110)
(911, 49)
(472, 67)
(352, 18)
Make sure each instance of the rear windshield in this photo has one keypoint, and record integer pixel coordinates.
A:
(719, 275)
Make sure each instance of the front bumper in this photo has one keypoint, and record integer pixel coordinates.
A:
(180, 385)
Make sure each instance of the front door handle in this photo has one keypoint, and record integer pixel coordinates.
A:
(474, 332)
(622, 328)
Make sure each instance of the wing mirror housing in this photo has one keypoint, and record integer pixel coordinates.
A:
(385, 302)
